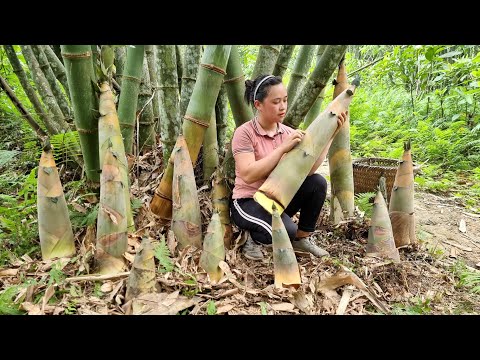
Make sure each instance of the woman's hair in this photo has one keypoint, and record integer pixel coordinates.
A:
(262, 91)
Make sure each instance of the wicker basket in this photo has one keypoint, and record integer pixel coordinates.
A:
(367, 172)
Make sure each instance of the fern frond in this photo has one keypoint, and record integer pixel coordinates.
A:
(162, 253)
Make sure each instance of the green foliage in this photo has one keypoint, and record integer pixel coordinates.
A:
(418, 307)
(364, 202)
(211, 308)
(7, 305)
(263, 307)
(6, 156)
(470, 279)
(79, 220)
(56, 274)
(162, 253)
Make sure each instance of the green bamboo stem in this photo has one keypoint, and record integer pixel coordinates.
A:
(168, 96)
(289, 174)
(142, 275)
(266, 59)
(210, 150)
(235, 86)
(152, 73)
(29, 91)
(197, 118)
(340, 162)
(120, 58)
(213, 249)
(146, 133)
(300, 71)
(179, 49)
(283, 59)
(314, 84)
(79, 73)
(285, 265)
(54, 227)
(95, 54)
(186, 216)
(127, 104)
(52, 81)
(317, 105)
(58, 124)
(191, 64)
(57, 67)
(221, 114)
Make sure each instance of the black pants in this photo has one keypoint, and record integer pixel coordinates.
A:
(247, 214)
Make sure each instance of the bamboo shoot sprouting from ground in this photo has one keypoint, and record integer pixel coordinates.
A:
(196, 120)
(317, 105)
(266, 60)
(289, 174)
(220, 201)
(283, 59)
(314, 84)
(142, 275)
(54, 227)
(380, 235)
(169, 97)
(127, 104)
(21, 109)
(186, 217)
(79, 71)
(285, 266)
(109, 135)
(210, 150)
(213, 249)
(111, 221)
(401, 207)
(146, 122)
(27, 87)
(340, 162)
(300, 70)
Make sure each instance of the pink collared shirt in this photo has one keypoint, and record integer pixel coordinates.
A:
(251, 137)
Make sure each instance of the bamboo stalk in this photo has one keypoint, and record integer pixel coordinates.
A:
(283, 59)
(152, 72)
(317, 105)
(220, 201)
(57, 67)
(210, 150)
(300, 70)
(146, 134)
(266, 59)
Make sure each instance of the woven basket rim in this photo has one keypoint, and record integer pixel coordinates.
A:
(364, 162)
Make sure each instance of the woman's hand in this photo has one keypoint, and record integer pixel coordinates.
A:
(341, 118)
(292, 140)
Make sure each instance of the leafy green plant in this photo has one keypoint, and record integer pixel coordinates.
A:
(470, 279)
(211, 308)
(7, 306)
(419, 307)
(263, 307)
(56, 274)
(363, 201)
(162, 253)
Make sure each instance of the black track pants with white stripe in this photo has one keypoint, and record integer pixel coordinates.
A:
(247, 214)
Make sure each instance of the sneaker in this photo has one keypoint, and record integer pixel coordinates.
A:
(308, 244)
(251, 250)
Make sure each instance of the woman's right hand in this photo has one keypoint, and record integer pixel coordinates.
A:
(292, 140)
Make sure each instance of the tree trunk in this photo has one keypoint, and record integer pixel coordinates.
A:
(266, 59)
(31, 94)
(340, 162)
(57, 67)
(127, 104)
(54, 227)
(146, 130)
(289, 174)
(221, 114)
(52, 81)
(210, 150)
(300, 71)
(21, 109)
(79, 72)
(58, 124)
(168, 90)
(197, 116)
(180, 66)
(152, 73)
(120, 57)
(317, 105)
(283, 60)
(315, 83)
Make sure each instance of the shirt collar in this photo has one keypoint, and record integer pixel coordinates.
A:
(259, 130)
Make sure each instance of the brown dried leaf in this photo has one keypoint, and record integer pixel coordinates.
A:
(225, 308)
(79, 208)
(48, 294)
(106, 287)
(32, 309)
(8, 272)
(283, 307)
(162, 304)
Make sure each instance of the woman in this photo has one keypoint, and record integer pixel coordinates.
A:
(258, 145)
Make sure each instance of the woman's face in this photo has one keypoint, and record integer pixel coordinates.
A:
(274, 106)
